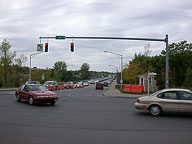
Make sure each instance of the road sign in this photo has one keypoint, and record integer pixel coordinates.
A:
(39, 47)
(152, 74)
(60, 37)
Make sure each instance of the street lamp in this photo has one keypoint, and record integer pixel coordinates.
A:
(32, 55)
(121, 57)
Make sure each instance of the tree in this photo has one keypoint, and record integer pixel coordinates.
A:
(131, 72)
(147, 52)
(188, 78)
(21, 60)
(180, 55)
(6, 57)
(60, 69)
(84, 71)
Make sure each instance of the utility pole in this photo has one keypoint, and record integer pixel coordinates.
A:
(167, 63)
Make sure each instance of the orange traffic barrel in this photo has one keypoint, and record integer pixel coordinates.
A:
(63, 87)
(59, 87)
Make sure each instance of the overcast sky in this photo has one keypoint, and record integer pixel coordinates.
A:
(22, 22)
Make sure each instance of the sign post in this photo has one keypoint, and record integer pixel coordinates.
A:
(152, 74)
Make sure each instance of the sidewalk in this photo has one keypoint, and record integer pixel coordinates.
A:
(113, 92)
(8, 89)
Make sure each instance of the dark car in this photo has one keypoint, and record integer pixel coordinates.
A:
(99, 86)
(34, 93)
(105, 84)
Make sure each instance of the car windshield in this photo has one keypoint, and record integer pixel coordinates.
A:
(37, 88)
(155, 93)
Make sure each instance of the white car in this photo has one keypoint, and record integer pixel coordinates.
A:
(167, 100)
(85, 83)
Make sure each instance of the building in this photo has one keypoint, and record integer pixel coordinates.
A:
(143, 80)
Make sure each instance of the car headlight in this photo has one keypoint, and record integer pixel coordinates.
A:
(45, 96)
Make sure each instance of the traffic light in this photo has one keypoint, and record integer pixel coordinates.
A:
(46, 47)
(72, 47)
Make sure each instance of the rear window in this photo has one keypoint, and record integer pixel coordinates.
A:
(99, 84)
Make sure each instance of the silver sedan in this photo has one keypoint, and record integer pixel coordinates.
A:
(167, 100)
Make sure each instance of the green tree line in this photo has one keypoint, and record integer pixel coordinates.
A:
(180, 66)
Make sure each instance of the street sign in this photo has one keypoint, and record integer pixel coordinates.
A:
(39, 47)
(152, 74)
(60, 37)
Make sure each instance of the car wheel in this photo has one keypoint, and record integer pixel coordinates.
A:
(155, 110)
(52, 103)
(31, 101)
(17, 97)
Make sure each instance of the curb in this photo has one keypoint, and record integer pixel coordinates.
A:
(123, 96)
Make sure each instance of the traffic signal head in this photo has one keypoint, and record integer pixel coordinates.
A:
(46, 47)
(72, 47)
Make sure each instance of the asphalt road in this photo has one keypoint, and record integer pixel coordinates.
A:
(85, 116)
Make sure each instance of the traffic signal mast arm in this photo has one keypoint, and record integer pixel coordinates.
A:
(112, 38)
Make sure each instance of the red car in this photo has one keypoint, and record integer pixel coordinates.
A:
(99, 85)
(35, 93)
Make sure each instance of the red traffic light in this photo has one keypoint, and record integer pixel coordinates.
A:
(46, 47)
(72, 47)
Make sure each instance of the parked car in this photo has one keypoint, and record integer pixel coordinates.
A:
(78, 84)
(99, 86)
(71, 85)
(85, 83)
(51, 83)
(34, 93)
(32, 82)
(167, 100)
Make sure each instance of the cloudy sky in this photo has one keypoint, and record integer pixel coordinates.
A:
(22, 22)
